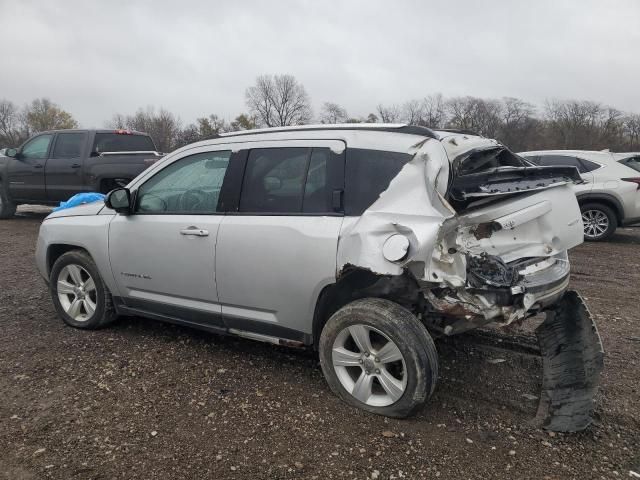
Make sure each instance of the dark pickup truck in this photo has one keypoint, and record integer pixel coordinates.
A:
(55, 165)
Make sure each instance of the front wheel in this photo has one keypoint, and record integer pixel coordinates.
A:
(599, 221)
(79, 295)
(377, 356)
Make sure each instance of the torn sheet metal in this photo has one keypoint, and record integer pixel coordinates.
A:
(572, 359)
(438, 241)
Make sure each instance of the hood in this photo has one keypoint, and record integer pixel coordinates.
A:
(79, 211)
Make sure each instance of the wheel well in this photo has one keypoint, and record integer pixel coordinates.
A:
(57, 250)
(354, 283)
(604, 201)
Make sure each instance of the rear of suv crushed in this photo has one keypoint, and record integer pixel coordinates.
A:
(464, 234)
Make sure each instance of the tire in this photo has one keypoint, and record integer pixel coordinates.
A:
(94, 306)
(599, 221)
(414, 375)
(7, 207)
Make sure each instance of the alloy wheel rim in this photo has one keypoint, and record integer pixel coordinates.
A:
(77, 292)
(595, 222)
(369, 365)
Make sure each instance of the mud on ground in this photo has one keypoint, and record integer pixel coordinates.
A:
(148, 400)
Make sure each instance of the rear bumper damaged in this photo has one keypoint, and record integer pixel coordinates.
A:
(499, 257)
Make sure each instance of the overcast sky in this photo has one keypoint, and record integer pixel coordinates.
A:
(96, 58)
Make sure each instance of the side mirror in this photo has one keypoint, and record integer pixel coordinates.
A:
(11, 152)
(119, 199)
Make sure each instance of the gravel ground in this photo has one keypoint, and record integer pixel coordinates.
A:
(149, 400)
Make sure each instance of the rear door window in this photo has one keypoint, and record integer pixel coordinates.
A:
(69, 145)
(286, 180)
(122, 142)
(368, 174)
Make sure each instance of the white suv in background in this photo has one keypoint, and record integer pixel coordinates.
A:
(609, 196)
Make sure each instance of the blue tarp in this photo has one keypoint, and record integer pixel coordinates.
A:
(79, 199)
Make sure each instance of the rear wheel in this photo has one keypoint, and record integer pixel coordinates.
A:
(599, 221)
(377, 356)
(78, 292)
(7, 208)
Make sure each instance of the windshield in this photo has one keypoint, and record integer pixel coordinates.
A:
(119, 142)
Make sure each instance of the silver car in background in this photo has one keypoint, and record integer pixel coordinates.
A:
(361, 241)
(609, 197)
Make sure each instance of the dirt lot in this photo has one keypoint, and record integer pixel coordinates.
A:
(148, 400)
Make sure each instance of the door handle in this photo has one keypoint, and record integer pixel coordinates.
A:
(76, 165)
(195, 231)
(38, 165)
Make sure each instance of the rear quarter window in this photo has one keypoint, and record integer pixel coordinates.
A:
(632, 162)
(368, 174)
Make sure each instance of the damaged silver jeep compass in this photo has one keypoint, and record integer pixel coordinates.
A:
(362, 241)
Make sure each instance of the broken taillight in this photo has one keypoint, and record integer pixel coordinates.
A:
(635, 180)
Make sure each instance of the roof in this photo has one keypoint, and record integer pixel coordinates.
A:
(96, 130)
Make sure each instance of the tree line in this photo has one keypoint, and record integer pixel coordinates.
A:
(280, 100)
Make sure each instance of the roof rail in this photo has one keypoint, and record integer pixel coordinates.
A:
(462, 131)
(379, 127)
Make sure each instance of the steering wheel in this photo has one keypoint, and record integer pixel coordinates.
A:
(192, 200)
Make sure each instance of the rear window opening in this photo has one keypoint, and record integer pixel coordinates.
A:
(483, 160)
(490, 175)
(118, 142)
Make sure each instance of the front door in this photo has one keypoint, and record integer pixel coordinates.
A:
(163, 254)
(64, 170)
(26, 170)
(277, 252)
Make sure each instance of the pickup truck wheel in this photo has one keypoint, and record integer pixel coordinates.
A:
(79, 295)
(7, 208)
(377, 356)
(599, 221)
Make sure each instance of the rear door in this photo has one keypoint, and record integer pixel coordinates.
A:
(277, 244)
(64, 172)
(26, 171)
(163, 255)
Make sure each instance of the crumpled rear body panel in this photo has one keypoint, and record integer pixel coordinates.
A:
(440, 240)
(500, 258)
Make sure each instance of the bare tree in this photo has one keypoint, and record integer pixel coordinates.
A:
(519, 130)
(433, 111)
(411, 112)
(632, 131)
(278, 101)
(12, 132)
(333, 113)
(163, 126)
(389, 114)
(476, 114)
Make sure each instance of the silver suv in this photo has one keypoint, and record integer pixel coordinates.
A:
(609, 196)
(361, 241)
